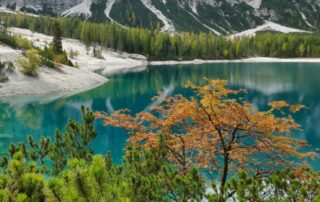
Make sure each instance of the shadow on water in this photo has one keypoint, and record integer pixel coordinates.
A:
(292, 82)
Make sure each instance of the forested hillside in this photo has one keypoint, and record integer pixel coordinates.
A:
(217, 16)
(157, 45)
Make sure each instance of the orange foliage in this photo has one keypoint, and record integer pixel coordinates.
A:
(216, 131)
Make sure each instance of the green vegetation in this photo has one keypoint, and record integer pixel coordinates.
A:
(3, 78)
(76, 174)
(133, 13)
(248, 155)
(54, 54)
(279, 186)
(73, 54)
(180, 17)
(224, 16)
(51, 56)
(52, 59)
(4, 68)
(237, 17)
(143, 179)
(291, 16)
(97, 10)
(97, 52)
(15, 41)
(57, 38)
(74, 143)
(157, 45)
(216, 133)
(66, 168)
(30, 64)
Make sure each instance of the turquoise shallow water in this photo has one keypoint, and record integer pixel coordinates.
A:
(293, 82)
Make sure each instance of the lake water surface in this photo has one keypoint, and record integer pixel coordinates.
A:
(292, 82)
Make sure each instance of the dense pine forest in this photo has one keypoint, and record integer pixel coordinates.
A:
(158, 45)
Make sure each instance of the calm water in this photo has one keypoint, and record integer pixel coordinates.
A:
(295, 83)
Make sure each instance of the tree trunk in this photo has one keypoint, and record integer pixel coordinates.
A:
(224, 174)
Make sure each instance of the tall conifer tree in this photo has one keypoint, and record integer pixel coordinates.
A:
(57, 37)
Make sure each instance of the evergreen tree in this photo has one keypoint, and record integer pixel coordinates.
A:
(75, 142)
(144, 175)
(57, 37)
(157, 45)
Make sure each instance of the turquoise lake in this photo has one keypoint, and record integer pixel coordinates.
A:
(292, 82)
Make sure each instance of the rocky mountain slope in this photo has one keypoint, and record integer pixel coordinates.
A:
(218, 16)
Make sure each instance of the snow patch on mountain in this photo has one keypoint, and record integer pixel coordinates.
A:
(20, 5)
(80, 9)
(305, 19)
(109, 6)
(254, 3)
(206, 26)
(215, 3)
(193, 7)
(107, 12)
(168, 25)
(268, 26)
(231, 15)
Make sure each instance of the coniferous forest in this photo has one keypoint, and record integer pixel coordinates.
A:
(156, 45)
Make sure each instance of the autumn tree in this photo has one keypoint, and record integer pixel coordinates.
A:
(217, 131)
(75, 174)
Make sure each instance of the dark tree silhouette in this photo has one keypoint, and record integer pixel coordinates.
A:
(57, 39)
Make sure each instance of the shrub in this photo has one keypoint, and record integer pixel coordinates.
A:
(47, 57)
(73, 54)
(8, 40)
(47, 62)
(51, 59)
(97, 53)
(10, 66)
(60, 59)
(15, 41)
(23, 43)
(76, 65)
(30, 64)
(3, 78)
(146, 174)
(4, 68)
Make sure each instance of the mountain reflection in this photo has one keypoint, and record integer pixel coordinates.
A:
(293, 82)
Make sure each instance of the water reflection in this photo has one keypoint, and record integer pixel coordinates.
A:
(293, 82)
(29, 115)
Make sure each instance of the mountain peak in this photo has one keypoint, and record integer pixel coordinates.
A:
(218, 16)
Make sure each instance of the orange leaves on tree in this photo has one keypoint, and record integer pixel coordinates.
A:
(216, 131)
